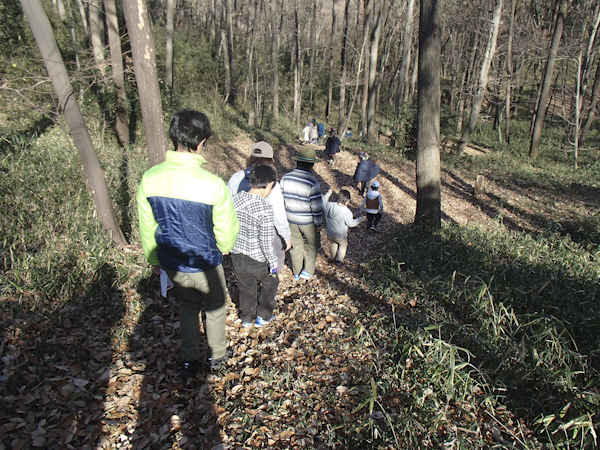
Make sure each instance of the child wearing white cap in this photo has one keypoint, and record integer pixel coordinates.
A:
(374, 206)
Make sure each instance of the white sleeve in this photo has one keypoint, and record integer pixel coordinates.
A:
(275, 199)
(234, 182)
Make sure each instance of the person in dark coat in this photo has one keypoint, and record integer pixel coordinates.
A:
(332, 146)
(365, 172)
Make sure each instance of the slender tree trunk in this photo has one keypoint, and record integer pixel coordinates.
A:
(297, 81)
(509, 68)
(96, 32)
(429, 201)
(413, 81)
(274, 57)
(536, 133)
(169, 46)
(331, 61)
(44, 37)
(374, 53)
(213, 28)
(593, 103)
(483, 78)
(143, 52)
(341, 132)
(406, 46)
(232, 92)
(116, 62)
(312, 41)
(83, 15)
(62, 12)
(72, 32)
(366, 58)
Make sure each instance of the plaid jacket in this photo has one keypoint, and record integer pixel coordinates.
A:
(257, 229)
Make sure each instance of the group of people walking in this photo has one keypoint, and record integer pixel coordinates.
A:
(189, 219)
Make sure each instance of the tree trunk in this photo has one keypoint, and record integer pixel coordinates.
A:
(483, 78)
(232, 93)
(342, 132)
(116, 62)
(62, 12)
(297, 81)
(44, 37)
(593, 103)
(169, 46)
(331, 61)
(143, 52)
(72, 32)
(274, 57)
(83, 16)
(406, 46)
(509, 68)
(96, 33)
(311, 62)
(536, 133)
(374, 53)
(429, 201)
(366, 58)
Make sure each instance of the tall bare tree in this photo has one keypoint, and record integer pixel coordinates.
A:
(144, 64)
(44, 37)
(341, 132)
(116, 63)
(97, 32)
(374, 54)
(332, 38)
(542, 106)
(169, 46)
(429, 201)
(483, 78)
(275, 21)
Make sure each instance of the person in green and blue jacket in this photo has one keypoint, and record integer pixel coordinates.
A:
(187, 222)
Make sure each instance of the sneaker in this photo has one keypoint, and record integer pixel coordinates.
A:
(189, 369)
(339, 263)
(260, 322)
(305, 275)
(217, 364)
(296, 277)
(373, 228)
(246, 324)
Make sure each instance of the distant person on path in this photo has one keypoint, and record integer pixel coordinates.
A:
(365, 172)
(332, 146)
(187, 223)
(338, 218)
(306, 132)
(253, 255)
(348, 134)
(374, 206)
(304, 208)
(262, 153)
(313, 132)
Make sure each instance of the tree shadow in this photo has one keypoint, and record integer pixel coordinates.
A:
(170, 411)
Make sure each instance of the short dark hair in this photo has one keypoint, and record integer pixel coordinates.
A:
(261, 175)
(188, 129)
(343, 196)
(303, 165)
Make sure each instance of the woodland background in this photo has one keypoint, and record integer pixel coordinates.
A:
(476, 329)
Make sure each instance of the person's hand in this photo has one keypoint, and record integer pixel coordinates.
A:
(273, 272)
(329, 191)
(363, 218)
(156, 269)
(288, 244)
(319, 229)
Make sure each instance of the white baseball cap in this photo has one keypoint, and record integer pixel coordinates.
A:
(375, 184)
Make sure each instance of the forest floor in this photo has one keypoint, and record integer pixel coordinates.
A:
(112, 381)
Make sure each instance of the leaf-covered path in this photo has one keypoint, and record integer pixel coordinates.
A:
(103, 373)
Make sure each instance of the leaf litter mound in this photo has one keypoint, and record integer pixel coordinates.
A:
(103, 372)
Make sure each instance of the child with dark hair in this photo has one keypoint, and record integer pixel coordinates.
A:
(332, 146)
(374, 206)
(187, 222)
(338, 218)
(253, 255)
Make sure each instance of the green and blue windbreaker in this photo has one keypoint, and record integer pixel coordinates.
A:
(187, 219)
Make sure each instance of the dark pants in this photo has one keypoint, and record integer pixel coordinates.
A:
(373, 219)
(247, 272)
(362, 185)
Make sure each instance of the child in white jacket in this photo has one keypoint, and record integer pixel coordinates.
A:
(338, 218)
(374, 205)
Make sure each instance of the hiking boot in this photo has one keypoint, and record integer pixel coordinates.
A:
(260, 322)
(305, 275)
(189, 369)
(219, 363)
